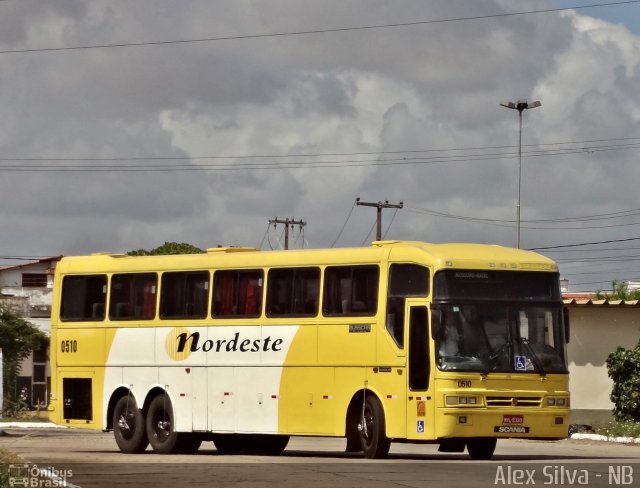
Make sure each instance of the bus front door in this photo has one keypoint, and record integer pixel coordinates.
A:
(420, 398)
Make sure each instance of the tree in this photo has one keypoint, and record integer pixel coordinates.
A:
(623, 366)
(620, 292)
(168, 248)
(18, 339)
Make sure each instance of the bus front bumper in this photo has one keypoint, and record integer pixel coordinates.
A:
(524, 424)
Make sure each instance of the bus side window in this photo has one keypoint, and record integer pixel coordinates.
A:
(351, 290)
(395, 319)
(419, 349)
(405, 280)
(133, 296)
(83, 298)
(293, 292)
(184, 295)
(237, 293)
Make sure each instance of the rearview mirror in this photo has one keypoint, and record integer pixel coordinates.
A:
(437, 324)
(567, 328)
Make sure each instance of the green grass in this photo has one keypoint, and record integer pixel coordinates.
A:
(626, 428)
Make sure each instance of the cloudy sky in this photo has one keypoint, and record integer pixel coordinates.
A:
(128, 123)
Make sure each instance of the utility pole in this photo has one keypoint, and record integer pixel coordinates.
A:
(288, 223)
(379, 206)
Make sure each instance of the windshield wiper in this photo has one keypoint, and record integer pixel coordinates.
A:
(495, 356)
(534, 356)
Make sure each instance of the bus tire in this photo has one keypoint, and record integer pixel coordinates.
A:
(264, 444)
(129, 426)
(375, 443)
(228, 443)
(481, 448)
(160, 427)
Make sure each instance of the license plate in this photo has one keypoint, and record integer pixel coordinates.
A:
(513, 419)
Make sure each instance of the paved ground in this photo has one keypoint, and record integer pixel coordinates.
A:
(92, 460)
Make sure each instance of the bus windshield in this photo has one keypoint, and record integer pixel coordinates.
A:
(500, 322)
(502, 338)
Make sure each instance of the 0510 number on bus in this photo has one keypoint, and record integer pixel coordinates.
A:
(69, 346)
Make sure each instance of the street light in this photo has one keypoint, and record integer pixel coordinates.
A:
(520, 106)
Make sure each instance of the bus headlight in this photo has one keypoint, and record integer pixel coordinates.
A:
(461, 400)
(562, 402)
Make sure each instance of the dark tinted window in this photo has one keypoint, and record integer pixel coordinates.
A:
(293, 292)
(83, 297)
(408, 280)
(419, 349)
(133, 296)
(351, 290)
(184, 295)
(405, 280)
(497, 285)
(237, 293)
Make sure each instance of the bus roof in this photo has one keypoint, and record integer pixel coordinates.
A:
(452, 255)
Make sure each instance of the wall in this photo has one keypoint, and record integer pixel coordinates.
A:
(596, 331)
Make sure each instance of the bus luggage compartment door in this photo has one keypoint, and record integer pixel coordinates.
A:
(77, 399)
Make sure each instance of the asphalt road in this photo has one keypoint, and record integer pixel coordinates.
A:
(85, 459)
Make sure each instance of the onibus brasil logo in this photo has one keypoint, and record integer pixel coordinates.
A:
(31, 475)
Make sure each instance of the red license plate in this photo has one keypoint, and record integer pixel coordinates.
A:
(513, 419)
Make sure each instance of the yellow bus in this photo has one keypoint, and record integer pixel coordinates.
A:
(454, 344)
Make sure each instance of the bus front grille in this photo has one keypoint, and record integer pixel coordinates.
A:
(512, 401)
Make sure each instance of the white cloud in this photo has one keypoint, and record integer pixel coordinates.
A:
(426, 87)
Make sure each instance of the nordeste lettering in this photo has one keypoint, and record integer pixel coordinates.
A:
(227, 345)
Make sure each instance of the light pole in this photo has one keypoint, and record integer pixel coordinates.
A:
(520, 106)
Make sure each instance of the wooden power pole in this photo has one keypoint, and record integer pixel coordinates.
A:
(288, 223)
(379, 206)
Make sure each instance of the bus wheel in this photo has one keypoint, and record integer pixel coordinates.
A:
(228, 443)
(128, 426)
(375, 443)
(264, 444)
(160, 433)
(481, 447)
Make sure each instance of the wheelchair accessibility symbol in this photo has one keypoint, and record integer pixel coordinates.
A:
(420, 427)
(521, 363)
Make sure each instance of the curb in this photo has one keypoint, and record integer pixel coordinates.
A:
(604, 438)
(30, 425)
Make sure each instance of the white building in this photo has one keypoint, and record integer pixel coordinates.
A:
(598, 328)
(27, 289)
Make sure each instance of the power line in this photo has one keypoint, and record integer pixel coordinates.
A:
(584, 244)
(364, 241)
(602, 249)
(344, 225)
(278, 165)
(264, 237)
(390, 222)
(601, 259)
(328, 154)
(509, 223)
(312, 31)
(606, 271)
